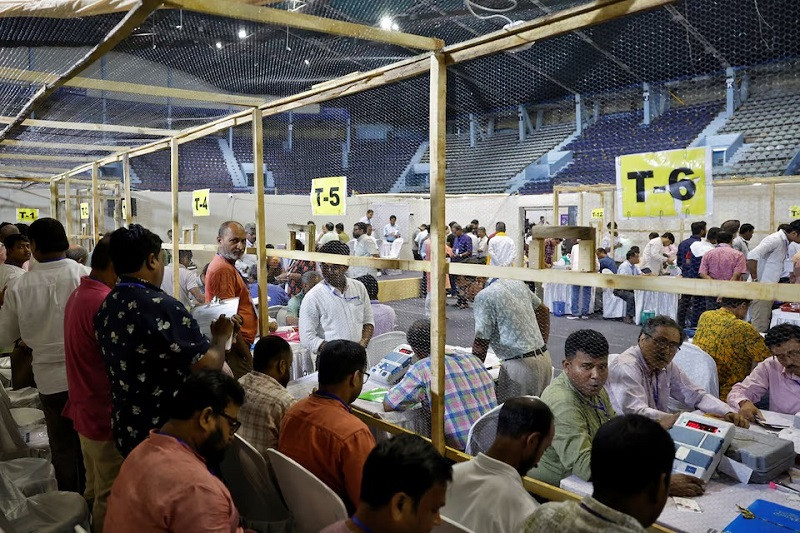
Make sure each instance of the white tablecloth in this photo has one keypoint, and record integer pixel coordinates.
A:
(663, 303)
(562, 292)
(783, 317)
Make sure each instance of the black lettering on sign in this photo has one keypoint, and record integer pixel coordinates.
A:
(640, 176)
(675, 184)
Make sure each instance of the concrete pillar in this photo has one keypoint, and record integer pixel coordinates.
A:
(744, 88)
(595, 111)
(578, 114)
(646, 100)
(290, 133)
(521, 122)
(473, 130)
(539, 118)
(490, 125)
(730, 91)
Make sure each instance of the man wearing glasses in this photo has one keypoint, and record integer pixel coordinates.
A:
(643, 378)
(778, 376)
(167, 479)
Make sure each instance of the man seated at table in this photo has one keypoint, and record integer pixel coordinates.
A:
(188, 284)
(487, 492)
(308, 280)
(778, 376)
(734, 344)
(469, 388)
(643, 378)
(385, 317)
(631, 469)
(321, 433)
(403, 487)
(166, 482)
(266, 398)
(337, 308)
(605, 261)
(629, 268)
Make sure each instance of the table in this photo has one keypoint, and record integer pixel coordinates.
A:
(562, 292)
(663, 303)
(784, 317)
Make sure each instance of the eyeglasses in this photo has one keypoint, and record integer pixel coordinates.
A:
(663, 343)
(365, 374)
(233, 422)
(783, 358)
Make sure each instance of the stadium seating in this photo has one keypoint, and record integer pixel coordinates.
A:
(201, 166)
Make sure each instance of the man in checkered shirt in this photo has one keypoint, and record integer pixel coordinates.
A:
(469, 389)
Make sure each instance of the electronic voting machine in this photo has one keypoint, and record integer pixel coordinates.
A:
(391, 369)
(700, 442)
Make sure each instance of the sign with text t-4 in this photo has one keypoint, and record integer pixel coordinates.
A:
(27, 214)
(84, 210)
(671, 183)
(328, 195)
(200, 202)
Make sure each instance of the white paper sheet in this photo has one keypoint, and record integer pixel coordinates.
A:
(777, 419)
(205, 314)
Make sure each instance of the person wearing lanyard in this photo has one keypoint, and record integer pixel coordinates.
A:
(404, 486)
(337, 308)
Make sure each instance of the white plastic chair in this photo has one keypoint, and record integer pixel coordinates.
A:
(382, 344)
(613, 306)
(280, 317)
(448, 526)
(247, 476)
(274, 309)
(700, 367)
(48, 511)
(482, 433)
(312, 503)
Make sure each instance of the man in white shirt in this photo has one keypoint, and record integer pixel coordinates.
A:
(33, 310)
(329, 235)
(420, 238)
(390, 230)
(629, 268)
(367, 219)
(487, 492)
(365, 246)
(18, 251)
(336, 308)
(612, 242)
(765, 263)
(655, 255)
(482, 248)
(502, 249)
(472, 233)
(187, 280)
(742, 241)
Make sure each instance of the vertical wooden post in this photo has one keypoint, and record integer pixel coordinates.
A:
(613, 215)
(437, 127)
(772, 224)
(173, 172)
(54, 199)
(580, 208)
(96, 212)
(67, 208)
(556, 217)
(261, 224)
(520, 258)
(126, 176)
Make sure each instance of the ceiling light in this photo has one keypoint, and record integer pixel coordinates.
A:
(387, 23)
(395, 27)
(756, 184)
(306, 62)
(242, 33)
(219, 45)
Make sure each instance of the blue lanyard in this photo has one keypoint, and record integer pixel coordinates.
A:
(330, 396)
(360, 524)
(130, 284)
(655, 390)
(599, 406)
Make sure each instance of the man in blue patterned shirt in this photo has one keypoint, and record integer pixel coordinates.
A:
(150, 342)
(468, 387)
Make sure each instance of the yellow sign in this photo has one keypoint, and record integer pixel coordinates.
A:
(665, 184)
(328, 195)
(598, 213)
(200, 202)
(27, 215)
(84, 210)
(794, 211)
(124, 208)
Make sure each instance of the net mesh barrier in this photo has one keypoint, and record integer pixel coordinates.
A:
(521, 125)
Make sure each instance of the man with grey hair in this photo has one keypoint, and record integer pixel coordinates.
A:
(250, 234)
(308, 280)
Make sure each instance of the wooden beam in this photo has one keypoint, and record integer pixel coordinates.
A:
(54, 199)
(31, 76)
(124, 27)
(293, 19)
(48, 171)
(173, 173)
(564, 232)
(74, 147)
(96, 210)
(126, 177)
(68, 214)
(437, 142)
(42, 157)
(261, 224)
(88, 126)
(552, 25)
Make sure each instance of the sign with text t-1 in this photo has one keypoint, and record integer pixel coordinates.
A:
(200, 202)
(328, 195)
(794, 211)
(84, 210)
(671, 183)
(27, 215)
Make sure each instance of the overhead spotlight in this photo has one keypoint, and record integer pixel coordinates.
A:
(757, 184)
(219, 45)
(242, 33)
(395, 27)
(387, 23)
(306, 62)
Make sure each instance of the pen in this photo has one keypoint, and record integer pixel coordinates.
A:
(783, 488)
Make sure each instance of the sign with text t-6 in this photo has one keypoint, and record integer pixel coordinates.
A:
(671, 183)
(27, 215)
(200, 202)
(328, 195)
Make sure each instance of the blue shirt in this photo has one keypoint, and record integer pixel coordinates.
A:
(462, 245)
(683, 250)
(608, 263)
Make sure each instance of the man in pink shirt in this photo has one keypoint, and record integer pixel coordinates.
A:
(722, 263)
(89, 403)
(165, 483)
(778, 376)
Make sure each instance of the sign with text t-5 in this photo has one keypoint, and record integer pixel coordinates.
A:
(328, 195)
(84, 210)
(27, 215)
(671, 183)
(200, 202)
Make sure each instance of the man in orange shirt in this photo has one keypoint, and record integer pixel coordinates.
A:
(224, 281)
(321, 433)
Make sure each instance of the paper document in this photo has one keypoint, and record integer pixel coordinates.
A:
(205, 314)
(777, 419)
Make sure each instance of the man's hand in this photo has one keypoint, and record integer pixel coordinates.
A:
(668, 421)
(737, 419)
(222, 327)
(237, 322)
(748, 410)
(683, 485)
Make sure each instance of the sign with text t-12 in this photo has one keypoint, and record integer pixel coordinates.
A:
(597, 214)
(200, 202)
(27, 215)
(328, 195)
(670, 183)
(84, 210)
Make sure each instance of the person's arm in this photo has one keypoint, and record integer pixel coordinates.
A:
(202, 510)
(366, 334)
(408, 392)
(484, 325)
(354, 455)
(198, 295)
(683, 389)
(628, 393)
(9, 321)
(745, 394)
(543, 320)
(740, 271)
(703, 270)
(309, 324)
(572, 442)
(759, 253)
(480, 347)
(213, 359)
